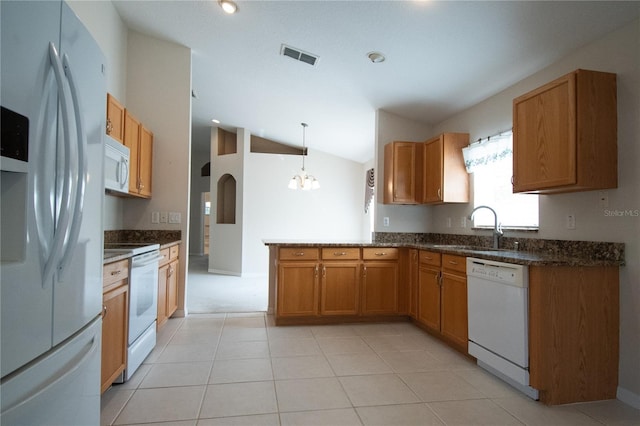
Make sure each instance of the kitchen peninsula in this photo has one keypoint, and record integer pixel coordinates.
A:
(573, 308)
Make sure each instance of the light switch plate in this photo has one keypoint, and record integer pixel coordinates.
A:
(155, 217)
(174, 217)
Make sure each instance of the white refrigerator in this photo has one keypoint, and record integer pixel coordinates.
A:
(53, 96)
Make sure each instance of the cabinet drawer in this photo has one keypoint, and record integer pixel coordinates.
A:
(114, 272)
(341, 253)
(454, 263)
(173, 252)
(380, 253)
(430, 258)
(165, 255)
(298, 253)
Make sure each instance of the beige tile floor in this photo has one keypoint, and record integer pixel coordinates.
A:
(239, 369)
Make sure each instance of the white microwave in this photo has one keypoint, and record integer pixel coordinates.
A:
(116, 166)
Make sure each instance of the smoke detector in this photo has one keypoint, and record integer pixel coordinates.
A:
(299, 55)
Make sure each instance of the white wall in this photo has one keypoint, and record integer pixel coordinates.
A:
(225, 239)
(199, 184)
(106, 27)
(159, 95)
(267, 210)
(402, 218)
(619, 53)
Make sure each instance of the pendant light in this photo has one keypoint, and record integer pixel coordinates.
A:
(303, 180)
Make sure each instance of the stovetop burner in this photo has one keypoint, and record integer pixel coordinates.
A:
(133, 248)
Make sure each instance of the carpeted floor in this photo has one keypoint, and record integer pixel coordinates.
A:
(213, 293)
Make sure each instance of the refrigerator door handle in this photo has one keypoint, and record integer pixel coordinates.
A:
(61, 228)
(76, 363)
(81, 174)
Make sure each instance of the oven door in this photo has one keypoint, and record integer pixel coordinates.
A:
(143, 306)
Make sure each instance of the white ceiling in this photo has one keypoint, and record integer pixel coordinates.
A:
(442, 57)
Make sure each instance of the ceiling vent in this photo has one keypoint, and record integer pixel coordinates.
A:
(299, 55)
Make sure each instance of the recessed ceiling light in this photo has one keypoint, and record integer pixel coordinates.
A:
(215, 121)
(228, 6)
(376, 57)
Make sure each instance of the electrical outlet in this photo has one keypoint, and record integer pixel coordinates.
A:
(448, 222)
(164, 217)
(174, 217)
(385, 221)
(463, 221)
(155, 217)
(571, 221)
(603, 199)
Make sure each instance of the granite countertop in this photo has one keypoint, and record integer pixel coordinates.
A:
(531, 252)
(164, 238)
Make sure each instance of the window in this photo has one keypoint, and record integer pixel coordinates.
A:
(491, 163)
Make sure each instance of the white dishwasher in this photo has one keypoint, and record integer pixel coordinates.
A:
(497, 299)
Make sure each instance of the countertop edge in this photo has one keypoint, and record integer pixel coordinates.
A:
(508, 256)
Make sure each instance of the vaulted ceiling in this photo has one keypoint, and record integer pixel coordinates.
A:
(441, 58)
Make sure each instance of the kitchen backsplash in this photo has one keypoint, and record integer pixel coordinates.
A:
(143, 236)
(596, 250)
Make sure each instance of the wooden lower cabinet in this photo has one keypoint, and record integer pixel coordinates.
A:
(442, 295)
(414, 269)
(380, 281)
(298, 285)
(379, 288)
(340, 288)
(429, 297)
(167, 284)
(453, 302)
(115, 321)
(574, 333)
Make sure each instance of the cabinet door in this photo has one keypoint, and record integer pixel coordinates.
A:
(115, 119)
(380, 288)
(145, 162)
(544, 137)
(414, 269)
(172, 288)
(400, 173)
(340, 288)
(132, 140)
(163, 277)
(429, 297)
(454, 309)
(114, 334)
(433, 173)
(297, 289)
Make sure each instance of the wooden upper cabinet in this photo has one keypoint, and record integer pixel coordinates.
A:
(115, 119)
(145, 162)
(131, 140)
(400, 173)
(444, 178)
(565, 135)
(139, 140)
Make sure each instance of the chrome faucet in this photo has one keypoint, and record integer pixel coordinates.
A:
(497, 232)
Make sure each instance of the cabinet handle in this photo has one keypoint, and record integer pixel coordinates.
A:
(298, 253)
(381, 253)
(109, 126)
(440, 279)
(364, 272)
(118, 272)
(324, 272)
(439, 193)
(104, 311)
(428, 258)
(316, 271)
(451, 262)
(169, 272)
(339, 253)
